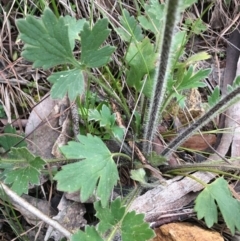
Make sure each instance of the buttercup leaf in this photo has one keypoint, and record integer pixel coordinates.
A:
(74, 28)
(107, 120)
(141, 59)
(217, 194)
(90, 234)
(91, 39)
(193, 80)
(187, 3)
(11, 138)
(214, 97)
(154, 12)
(131, 226)
(109, 217)
(25, 172)
(69, 81)
(130, 28)
(46, 40)
(97, 171)
(138, 230)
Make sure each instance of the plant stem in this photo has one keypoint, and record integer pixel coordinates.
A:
(212, 112)
(122, 155)
(112, 94)
(218, 169)
(161, 75)
(16, 161)
(196, 179)
(123, 99)
(55, 8)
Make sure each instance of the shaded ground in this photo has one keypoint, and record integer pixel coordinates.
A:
(22, 88)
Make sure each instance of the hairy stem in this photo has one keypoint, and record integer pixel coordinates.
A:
(161, 74)
(212, 112)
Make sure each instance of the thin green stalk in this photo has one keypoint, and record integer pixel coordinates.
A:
(182, 171)
(196, 179)
(10, 214)
(161, 75)
(55, 9)
(83, 112)
(115, 85)
(166, 102)
(17, 161)
(111, 94)
(137, 7)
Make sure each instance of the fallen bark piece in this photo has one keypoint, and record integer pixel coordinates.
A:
(175, 194)
(185, 232)
(200, 143)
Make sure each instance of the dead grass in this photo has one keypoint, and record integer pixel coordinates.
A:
(21, 86)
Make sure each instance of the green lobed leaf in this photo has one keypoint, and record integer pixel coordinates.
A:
(188, 73)
(97, 171)
(235, 84)
(74, 28)
(199, 27)
(217, 194)
(206, 208)
(193, 80)
(94, 114)
(69, 81)
(131, 225)
(91, 39)
(130, 29)
(186, 4)
(214, 98)
(154, 16)
(156, 159)
(106, 119)
(5, 168)
(197, 57)
(118, 132)
(198, 76)
(11, 138)
(25, 172)
(46, 40)
(139, 175)
(109, 217)
(90, 234)
(178, 46)
(141, 59)
(135, 229)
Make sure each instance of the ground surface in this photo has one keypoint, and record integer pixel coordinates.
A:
(23, 87)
